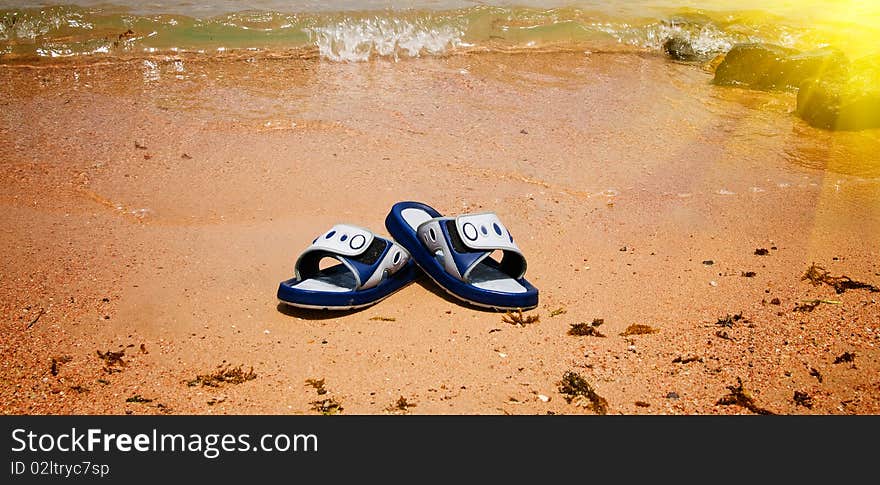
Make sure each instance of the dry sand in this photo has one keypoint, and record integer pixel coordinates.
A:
(153, 207)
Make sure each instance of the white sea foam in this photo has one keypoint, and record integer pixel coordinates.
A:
(354, 40)
(151, 71)
(705, 39)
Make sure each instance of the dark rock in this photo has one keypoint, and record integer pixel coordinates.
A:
(755, 65)
(685, 28)
(680, 49)
(843, 103)
(839, 105)
(773, 67)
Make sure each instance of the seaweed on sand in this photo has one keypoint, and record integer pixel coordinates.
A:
(587, 330)
(138, 398)
(810, 305)
(729, 320)
(576, 389)
(112, 359)
(740, 397)
(56, 363)
(818, 275)
(519, 319)
(687, 360)
(400, 406)
(327, 406)
(318, 384)
(845, 357)
(639, 329)
(803, 399)
(723, 335)
(558, 311)
(225, 374)
(383, 319)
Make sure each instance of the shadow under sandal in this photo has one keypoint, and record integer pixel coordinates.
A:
(371, 269)
(456, 253)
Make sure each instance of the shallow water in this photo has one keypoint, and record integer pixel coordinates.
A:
(274, 69)
(358, 30)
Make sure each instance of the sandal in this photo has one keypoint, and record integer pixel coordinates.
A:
(456, 253)
(371, 269)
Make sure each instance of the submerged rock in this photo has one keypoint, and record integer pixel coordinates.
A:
(768, 66)
(692, 37)
(680, 49)
(843, 103)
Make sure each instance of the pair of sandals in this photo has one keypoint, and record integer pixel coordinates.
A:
(454, 251)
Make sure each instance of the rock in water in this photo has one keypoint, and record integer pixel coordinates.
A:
(843, 103)
(680, 49)
(752, 65)
(768, 66)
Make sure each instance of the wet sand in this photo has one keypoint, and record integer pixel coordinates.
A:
(159, 203)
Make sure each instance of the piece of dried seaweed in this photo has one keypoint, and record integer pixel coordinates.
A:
(56, 363)
(112, 359)
(687, 360)
(810, 305)
(225, 374)
(803, 399)
(327, 406)
(519, 319)
(587, 330)
(845, 357)
(639, 329)
(318, 384)
(723, 335)
(729, 320)
(576, 389)
(806, 307)
(34, 320)
(818, 275)
(401, 405)
(558, 311)
(740, 397)
(138, 398)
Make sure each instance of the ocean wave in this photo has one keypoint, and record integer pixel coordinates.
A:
(67, 31)
(360, 39)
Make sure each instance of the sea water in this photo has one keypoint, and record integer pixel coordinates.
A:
(360, 30)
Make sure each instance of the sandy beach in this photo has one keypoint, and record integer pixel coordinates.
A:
(151, 207)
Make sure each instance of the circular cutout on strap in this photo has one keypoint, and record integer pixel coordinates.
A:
(357, 241)
(470, 232)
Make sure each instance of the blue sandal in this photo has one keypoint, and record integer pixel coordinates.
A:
(455, 253)
(371, 269)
